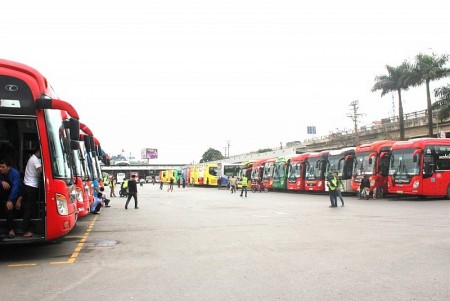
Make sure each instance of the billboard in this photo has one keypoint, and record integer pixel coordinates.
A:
(149, 153)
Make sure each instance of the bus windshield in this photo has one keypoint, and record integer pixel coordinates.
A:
(335, 164)
(58, 142)
(268, 170)
(278, 171)
(402, 166)
(313, 170)
(294, 171)
(362, 166)
(213, 170)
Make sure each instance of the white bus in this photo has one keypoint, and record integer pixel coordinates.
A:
(225, 170)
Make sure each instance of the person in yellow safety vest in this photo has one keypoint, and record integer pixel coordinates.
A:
(332, 183)
(244, 181)
(123, 188)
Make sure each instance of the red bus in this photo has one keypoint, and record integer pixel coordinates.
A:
(315, 171)
(296, 173)
(420, 167)
(373, 160)
(32, 116)
(257, 172)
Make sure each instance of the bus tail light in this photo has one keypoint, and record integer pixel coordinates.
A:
(61, 204)
(416, 184)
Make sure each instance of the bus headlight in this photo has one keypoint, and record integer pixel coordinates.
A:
(416, 184)
(79, 195)
(61, 205)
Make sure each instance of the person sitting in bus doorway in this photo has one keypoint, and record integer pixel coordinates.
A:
(244, 181)
(339, 188)
(97, 204)
(132, 192)
(10, 190)
(31, 180)
(332, 185)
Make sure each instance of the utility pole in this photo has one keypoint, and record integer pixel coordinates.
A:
(228, 144)
(354, 115)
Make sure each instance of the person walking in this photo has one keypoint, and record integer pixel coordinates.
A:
(332, 184)
(33, 172)
(244, 185)
(339, 188)
(233, 184)
(132, 192)
(170, 185)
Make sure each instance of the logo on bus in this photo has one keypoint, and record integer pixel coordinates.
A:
(11, 88)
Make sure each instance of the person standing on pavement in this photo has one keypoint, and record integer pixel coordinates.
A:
(112, 185)
(233, 184)
(33, 172)
(339, 188)
(170, 188)
(132, 192)
(244, 181)
(332, 184)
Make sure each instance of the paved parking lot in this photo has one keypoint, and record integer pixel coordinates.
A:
(206, 244)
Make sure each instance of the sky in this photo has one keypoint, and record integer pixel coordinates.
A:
(183, 76)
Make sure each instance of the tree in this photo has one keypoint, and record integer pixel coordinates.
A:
(397, 79)
(264, 150)
(211, 155)
(443, 103)
(428, 68)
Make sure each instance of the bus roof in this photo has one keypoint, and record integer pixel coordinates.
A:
(420, 143)
(375, 146)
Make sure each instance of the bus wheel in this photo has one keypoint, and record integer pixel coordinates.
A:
(448, 192)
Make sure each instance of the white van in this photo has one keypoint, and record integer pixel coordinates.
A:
(120, 177)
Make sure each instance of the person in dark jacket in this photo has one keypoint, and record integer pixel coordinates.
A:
(132, 192)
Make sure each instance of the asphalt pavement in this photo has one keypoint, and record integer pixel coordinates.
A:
(209, 244)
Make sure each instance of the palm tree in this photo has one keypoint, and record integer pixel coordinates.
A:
(428, 68)
(443, 104)
(397, 79)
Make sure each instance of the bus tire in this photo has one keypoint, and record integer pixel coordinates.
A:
(448, 192)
